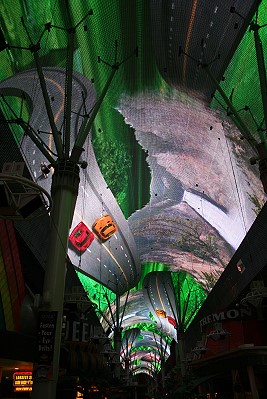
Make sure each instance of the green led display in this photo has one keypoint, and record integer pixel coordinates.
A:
(241, 79)
(97, 293)
(190, 296)
(122, 159)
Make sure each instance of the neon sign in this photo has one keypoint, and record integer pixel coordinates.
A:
(22, 381)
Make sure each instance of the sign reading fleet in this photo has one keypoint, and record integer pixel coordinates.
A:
(22, 381)
(82, 331)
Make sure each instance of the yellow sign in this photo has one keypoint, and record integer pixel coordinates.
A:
(79, 392)
(22, 389)
(22, 381)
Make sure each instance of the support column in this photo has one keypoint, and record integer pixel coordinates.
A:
(1, 382)
(117, 338)
(117, 349)
(127, 370)
(64, 192)
(236, 382)
(163, 373)
(180, 351)
(252, 382)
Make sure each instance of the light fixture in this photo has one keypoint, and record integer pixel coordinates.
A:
(189, 357)
(200, 348)
(257, 293)
(240, 266)
(218, 334)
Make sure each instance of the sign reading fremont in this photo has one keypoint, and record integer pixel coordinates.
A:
(225, 315)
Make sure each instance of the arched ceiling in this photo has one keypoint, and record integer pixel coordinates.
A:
(165, 141)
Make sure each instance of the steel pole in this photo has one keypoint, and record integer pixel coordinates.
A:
(117, 338)
(261, 69)
(55, 132)
(259, 148)
(88, 121)
(68, 92)
(238, 121)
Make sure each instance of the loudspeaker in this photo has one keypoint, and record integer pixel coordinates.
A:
(6, 209)
(30, 205)
(3, 196)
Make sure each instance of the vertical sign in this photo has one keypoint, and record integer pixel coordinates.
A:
(47, 322)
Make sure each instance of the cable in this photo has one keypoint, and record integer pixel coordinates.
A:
(236, 187)
(241, 208)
